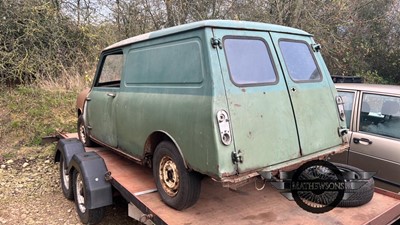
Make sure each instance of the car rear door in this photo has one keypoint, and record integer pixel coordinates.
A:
(311, 92)
(375, 140)
(262, 119)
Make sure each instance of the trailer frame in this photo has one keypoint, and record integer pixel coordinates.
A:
(223, 205)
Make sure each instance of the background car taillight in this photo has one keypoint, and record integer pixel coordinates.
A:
(340, 105)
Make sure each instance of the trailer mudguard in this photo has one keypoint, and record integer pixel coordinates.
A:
(93, 170)
(68, 147)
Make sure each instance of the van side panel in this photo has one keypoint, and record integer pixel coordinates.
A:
(167, 87)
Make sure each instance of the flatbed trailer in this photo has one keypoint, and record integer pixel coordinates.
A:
(219, 205)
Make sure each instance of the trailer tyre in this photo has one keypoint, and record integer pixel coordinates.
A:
(87, 216)
(83, 133)
(65, 180)
(178, 187)
(359, 196)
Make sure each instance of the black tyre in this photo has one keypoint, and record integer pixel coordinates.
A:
(359, 196)
(178, 187)
(87, 216)
(65, 180)
(83, 133)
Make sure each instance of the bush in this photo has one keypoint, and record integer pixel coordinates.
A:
(37, 42)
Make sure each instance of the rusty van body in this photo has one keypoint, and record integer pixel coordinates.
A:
(226, 99)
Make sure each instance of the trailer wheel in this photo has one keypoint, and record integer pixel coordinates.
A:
(359, 196)
(65, 180)
(83, 134)
(178, 187)
(87, 216)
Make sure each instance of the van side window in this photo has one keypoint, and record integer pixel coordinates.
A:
(111, 70)
(249, 61)
(299, 61)
(380, 115)
(348, 98)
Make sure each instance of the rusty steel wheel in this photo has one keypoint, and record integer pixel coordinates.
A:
(178, 187)
(169, 176)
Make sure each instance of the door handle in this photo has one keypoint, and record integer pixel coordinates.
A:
(363, 141)
(111, 95)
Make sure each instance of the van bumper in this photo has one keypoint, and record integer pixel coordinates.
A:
(244, 178)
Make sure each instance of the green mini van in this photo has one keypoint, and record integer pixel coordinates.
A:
(225, 99)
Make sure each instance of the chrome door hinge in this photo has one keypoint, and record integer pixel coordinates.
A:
(237, 157)
(216, 42)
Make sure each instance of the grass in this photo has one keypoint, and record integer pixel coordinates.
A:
(30, 112)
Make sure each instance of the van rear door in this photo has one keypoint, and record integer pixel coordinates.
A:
(310, 90)
(262, 118)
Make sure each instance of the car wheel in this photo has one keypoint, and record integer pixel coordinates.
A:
(87, 216)
(83, 133)
(359, 196)
(65, 180)
(178, 187)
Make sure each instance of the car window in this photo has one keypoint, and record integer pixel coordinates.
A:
(348, 98)
(299, 61)
(380, 114)
(111, 70)
(249, 61)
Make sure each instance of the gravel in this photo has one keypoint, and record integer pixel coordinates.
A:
(30, 193)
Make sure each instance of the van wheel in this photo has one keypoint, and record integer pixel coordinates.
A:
(178, 187)
(87, 216)
(83, 133)
(359, 196)
(65, 180)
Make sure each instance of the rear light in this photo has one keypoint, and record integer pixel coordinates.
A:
(340, 106)
(224, 127)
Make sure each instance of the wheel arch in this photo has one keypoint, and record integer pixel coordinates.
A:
(81, 100)
(93, 170)
(68, 147)
(57, 155)
(156, 138)
(78, 112)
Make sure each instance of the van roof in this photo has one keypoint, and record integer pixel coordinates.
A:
(232, 24)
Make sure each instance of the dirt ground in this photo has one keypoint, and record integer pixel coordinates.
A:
(30, 193)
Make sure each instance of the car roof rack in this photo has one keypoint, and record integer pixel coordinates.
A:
(346, 79)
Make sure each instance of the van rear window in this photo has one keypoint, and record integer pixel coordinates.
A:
(299, 61)
(249, 61)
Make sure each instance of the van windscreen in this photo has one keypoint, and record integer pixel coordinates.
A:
(249, 61)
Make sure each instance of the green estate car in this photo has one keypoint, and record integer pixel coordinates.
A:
(373, 116)
(217, 98)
